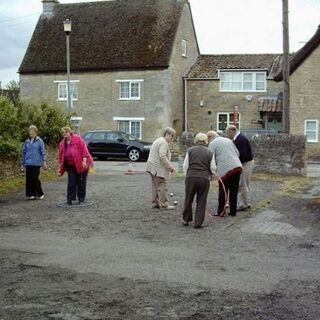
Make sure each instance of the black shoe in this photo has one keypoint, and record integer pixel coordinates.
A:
(198, 227)
(69, 202)
(232, 214)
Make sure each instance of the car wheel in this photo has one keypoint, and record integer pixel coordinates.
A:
(134, 154)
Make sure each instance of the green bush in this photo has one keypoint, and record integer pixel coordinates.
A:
(16, 119)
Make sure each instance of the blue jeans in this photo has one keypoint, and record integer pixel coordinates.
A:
(77, 183)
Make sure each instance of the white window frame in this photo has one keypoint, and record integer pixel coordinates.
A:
(130, 121)
(130, 81)
(65, 82)
(316, 131)
(243, 73)
(228, 119)
(184, 48)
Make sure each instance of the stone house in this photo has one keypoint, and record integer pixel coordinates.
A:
(228, 88)
(305, 93)
(127, 59)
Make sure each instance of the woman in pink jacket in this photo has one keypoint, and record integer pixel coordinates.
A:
(74, 158)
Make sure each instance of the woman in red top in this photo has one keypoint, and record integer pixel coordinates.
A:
(74, 158)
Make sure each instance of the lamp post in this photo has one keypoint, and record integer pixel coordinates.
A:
(67, 30)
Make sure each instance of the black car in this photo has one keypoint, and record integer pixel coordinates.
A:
(105, 144)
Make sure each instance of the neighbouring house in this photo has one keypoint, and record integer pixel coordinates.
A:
(127, 59)
(233, 88)
(305, 93)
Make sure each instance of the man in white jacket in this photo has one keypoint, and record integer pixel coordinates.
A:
(159, 167)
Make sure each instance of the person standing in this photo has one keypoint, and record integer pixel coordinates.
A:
(228, 170)
(159, 167)
(33, 158)
(74, 157)
(247, 161)
(199, 165)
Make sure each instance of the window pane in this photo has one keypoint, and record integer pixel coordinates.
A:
(311, 136)
(222, 122)
(98, 136)
(124, 90)
(225, 85)
(225, 76)
(236, 86)
(124, 126)
(74, 91)
(311, 125)
(135, 89)
(260, 76)
(62, 91)
(236, 77)
(135, 129)
(247, 77)
(260, 86)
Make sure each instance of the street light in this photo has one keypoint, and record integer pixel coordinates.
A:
(67, 30)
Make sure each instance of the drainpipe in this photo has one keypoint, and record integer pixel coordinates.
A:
(185, 105)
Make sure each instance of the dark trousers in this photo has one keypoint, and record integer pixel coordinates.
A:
(231, 185)
(33, 184)
(77, 183)
(199, 187)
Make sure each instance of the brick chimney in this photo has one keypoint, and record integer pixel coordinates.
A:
(48, 6)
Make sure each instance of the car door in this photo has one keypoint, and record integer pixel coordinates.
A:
(116, 144)
(97, 144)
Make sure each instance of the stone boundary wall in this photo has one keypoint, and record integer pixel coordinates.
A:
(282, 154)
(279, 154)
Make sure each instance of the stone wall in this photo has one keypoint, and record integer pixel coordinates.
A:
(283, 154)
(279, 154)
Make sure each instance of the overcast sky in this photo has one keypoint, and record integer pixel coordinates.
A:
(222, 26)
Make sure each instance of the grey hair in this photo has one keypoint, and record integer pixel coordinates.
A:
(231, 127)
(201, 138)
(34, 128)
(169, 131)
(212, 134)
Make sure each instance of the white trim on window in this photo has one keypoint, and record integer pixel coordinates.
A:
(314, 131)
(242, 81)
(130, 92)
(129, 126)
(184, 48)
(129, 118)
(132, 80)
(74, 92)
(228, 120)
(64, 81)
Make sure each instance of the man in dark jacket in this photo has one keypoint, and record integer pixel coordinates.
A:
(246, 158)
(199, 165)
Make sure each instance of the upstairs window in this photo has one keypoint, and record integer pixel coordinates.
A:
(63, 90)
(242, 81)
(184, 48)
(311, 130)
(129, 89)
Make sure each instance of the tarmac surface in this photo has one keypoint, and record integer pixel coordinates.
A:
(120, 259)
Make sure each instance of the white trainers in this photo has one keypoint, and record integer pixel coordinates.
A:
(31, 198)
(41, 197)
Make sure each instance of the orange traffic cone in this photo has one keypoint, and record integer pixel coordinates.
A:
(130, 171)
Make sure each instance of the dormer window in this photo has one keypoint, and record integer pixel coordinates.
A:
(243, 81)
(184, 48)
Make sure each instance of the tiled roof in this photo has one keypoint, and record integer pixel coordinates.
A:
(270, 104)
(302, 54)
(207, 66)
(119, 34)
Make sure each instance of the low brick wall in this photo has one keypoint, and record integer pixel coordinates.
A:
(280, 154)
